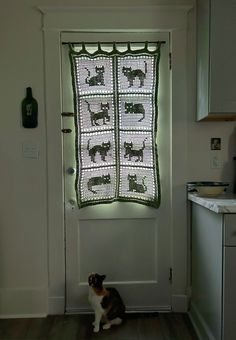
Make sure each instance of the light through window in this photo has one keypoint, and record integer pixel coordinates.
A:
(116, 106)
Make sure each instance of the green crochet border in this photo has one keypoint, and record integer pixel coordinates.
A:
(99, 52)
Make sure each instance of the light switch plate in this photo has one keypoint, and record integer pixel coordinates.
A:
(30, 150)
(216, 162)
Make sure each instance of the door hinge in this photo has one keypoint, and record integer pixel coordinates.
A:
(67, 114)
(170, 275)
(66, 130)
(170, 61)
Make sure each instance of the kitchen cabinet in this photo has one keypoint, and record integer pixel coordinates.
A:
(216, 55)
(213, 273)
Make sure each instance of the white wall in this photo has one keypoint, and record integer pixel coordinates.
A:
(199, 133)
(200, 155)
(23, 203)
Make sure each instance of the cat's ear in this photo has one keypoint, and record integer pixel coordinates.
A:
(103, 277)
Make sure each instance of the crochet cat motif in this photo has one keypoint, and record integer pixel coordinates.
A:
(137, 187)
(131, 108)
(102, 149)
(130, 152)
(136, 73)
(96, 80)
(106, 303)
(99, 180)
(103, 114)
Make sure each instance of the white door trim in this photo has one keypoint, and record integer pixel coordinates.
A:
(172, 19)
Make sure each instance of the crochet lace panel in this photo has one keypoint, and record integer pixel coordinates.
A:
(116, 106)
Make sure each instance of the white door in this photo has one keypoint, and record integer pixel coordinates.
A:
(128, 242)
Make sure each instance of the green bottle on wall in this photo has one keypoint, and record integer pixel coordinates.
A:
(29, 110)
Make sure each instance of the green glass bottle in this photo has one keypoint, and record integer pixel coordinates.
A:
(29, 110)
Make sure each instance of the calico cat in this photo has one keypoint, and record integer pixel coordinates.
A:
(134, 186)
(136, 109)
(103, 114)
(130, 152)
(100, 180)
(106, 303)
(96, 80)
(136, 73)
(101, 149)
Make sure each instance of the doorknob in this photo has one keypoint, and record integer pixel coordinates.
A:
(70, 171)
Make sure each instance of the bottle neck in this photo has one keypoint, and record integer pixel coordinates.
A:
(28, 92)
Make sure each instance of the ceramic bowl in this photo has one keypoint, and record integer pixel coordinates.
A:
(208, 189)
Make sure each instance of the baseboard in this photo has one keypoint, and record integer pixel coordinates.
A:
(56, 305)
(23, 302)
(180, 303)
(129, 310)
(22, 316)
(200, 326)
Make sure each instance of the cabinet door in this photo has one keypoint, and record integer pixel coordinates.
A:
(229, 301)
(230, 230)
(216, 55)
(206, 301)
(222, 57)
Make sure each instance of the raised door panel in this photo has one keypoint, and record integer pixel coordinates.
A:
(128, 251)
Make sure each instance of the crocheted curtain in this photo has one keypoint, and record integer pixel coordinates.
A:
(115, 100)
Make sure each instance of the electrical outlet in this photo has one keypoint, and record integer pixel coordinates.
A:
(216, 162)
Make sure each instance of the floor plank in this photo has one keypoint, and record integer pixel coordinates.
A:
(147, 326)
(39, 328)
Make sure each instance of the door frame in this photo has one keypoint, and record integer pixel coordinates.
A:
(172, 19)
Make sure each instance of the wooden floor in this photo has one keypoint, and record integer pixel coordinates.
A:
(158, 326)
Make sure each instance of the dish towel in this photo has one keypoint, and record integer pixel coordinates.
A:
(116, 108)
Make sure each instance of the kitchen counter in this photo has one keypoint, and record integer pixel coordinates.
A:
(223, 204)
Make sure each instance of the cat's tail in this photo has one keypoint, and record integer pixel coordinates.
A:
(144, 144)
(88, 143)
(145, 67)
(144, 185)
(142, 118)
(90, 188)
(89, 108)
(86, 79)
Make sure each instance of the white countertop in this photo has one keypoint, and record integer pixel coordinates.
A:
(223, 204)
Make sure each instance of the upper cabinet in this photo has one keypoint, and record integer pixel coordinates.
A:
(216, 60)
